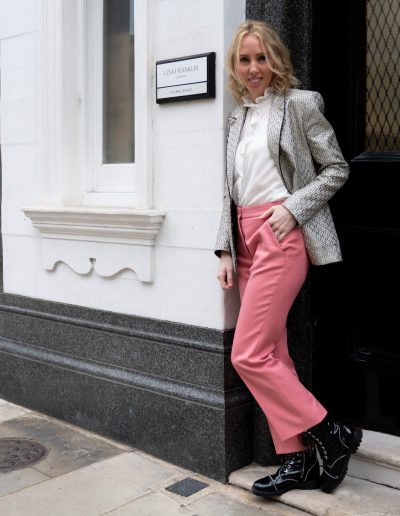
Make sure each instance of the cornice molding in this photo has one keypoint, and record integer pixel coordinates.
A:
(137, 226)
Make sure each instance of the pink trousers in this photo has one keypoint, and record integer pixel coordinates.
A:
(270, 275)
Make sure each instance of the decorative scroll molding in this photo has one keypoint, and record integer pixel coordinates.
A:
(105, 240)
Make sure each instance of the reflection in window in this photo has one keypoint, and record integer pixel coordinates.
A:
(118, 82)
(383, 76)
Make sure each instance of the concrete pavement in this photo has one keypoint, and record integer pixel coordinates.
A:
(84, 474)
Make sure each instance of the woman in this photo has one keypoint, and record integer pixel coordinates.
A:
(283, 166)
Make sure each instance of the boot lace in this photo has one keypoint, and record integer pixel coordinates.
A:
(323, 451)
(288, 462)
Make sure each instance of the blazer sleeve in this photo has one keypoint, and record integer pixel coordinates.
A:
(331, 169)
(223, 242)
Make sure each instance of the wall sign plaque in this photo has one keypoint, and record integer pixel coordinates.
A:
(185, 78)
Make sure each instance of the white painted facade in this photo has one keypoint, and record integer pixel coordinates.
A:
(146, 252)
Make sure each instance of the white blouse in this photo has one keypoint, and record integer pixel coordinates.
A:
(256, 178)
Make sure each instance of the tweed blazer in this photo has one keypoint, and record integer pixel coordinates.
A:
(304, 147)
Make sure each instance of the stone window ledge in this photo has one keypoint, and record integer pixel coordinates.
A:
(102, 239)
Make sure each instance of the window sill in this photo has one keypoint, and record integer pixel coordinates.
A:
(81, 238)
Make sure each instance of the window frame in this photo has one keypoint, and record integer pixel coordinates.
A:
(71, 123)
(99, 177)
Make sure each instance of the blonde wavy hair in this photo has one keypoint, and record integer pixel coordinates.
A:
(277, 54)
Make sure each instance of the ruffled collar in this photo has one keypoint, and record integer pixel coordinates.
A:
(247, 102)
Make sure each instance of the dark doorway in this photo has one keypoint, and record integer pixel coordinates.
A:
(355, 304)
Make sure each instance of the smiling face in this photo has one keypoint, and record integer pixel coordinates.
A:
(252, 67)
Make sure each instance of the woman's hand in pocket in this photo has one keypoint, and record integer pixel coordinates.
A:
(281, 221)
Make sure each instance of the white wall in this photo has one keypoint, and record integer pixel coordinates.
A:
(188, 170)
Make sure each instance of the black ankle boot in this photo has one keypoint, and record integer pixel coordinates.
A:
(299, 470)
(336, 442)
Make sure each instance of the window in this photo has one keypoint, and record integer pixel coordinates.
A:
(96, 144)
(109, 102)
(118, 82)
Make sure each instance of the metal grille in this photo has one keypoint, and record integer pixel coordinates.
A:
(383, 76)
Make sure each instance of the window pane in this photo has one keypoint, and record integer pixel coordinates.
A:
(118, 82)
(383, 76)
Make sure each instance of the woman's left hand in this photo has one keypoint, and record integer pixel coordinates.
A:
(281, 221)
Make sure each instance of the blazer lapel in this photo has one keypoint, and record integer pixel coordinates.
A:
(236, 123)
(276, 116)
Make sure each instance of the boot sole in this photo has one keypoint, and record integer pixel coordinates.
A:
(328, 487)
(312, 484)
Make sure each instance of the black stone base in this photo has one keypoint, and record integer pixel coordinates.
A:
(165, 388)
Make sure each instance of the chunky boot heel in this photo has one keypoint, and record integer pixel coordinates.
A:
(312, 484)
(356, 441)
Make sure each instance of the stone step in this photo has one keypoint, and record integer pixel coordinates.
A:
(378, 459)
(354, 496)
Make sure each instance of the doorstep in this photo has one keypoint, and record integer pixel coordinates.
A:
(378, 458)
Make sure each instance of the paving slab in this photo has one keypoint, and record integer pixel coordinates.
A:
(10, 411)
(354, 497)
(91, 490)
(16, 480)
(153, 504)
(218, 504)
(69, 447)
(267, 507)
